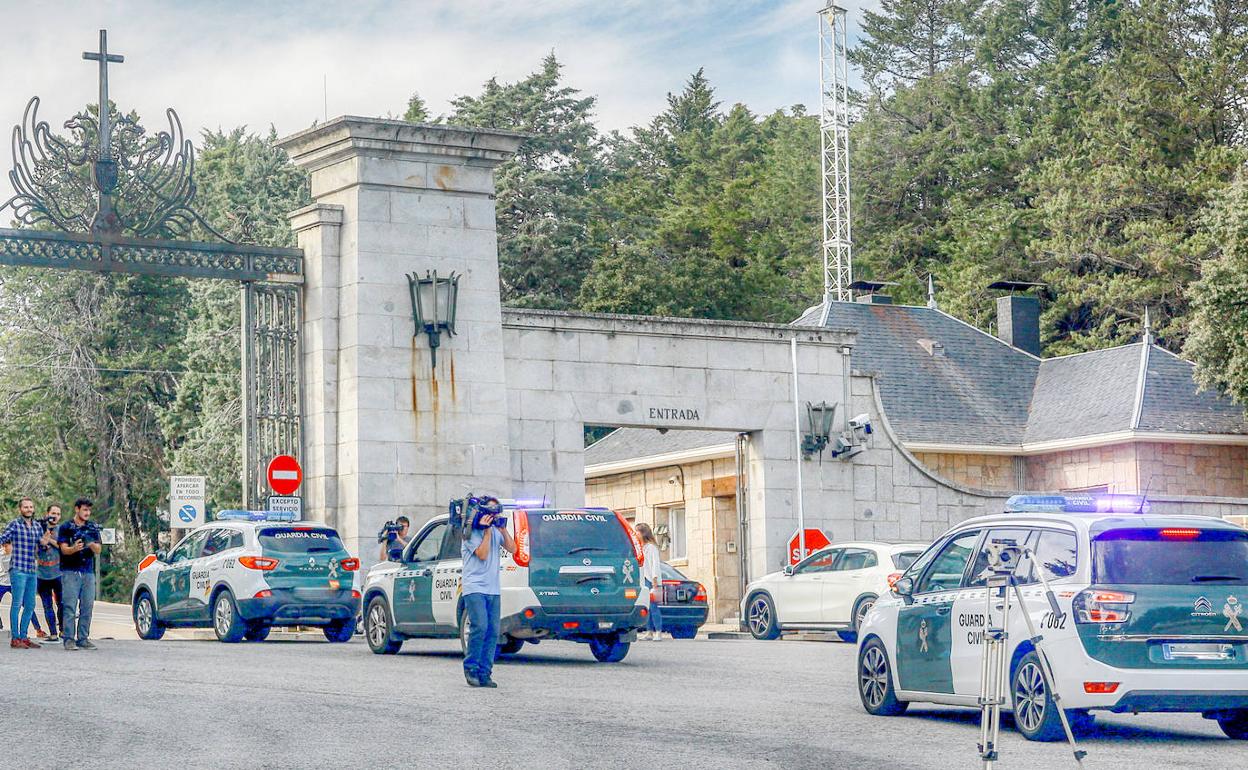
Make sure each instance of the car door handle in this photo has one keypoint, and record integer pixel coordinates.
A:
(424, 572)
(944, 609)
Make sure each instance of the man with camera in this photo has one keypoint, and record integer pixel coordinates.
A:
(21, 539)
(79, 540)
(393, 535)
(49, 572)
(484, 531)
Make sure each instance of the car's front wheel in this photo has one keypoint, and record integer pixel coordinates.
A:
(381, 640)
(1235, 724)
(761, 616)
(146, 624)
(1035, 713)
(875, 682)
(608, 649)
(226, 621)
(340, 632)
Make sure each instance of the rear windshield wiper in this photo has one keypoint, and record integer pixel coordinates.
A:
(590, 577)
(578, 549)
(1212, 578)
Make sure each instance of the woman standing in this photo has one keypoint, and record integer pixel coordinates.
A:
(651, 578)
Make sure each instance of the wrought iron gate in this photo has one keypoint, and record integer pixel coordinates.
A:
(113, 199)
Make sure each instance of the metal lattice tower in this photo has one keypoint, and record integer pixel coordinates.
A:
(838, 270)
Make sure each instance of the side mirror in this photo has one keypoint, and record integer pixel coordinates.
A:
(904, 587)
(788, 570)
(162, 556)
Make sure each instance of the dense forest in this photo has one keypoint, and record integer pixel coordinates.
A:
(1096, 147)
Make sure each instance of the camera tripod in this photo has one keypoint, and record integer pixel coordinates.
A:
(995, 663)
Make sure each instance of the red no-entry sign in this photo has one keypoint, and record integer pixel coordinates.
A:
(284, 474)
(815, 539)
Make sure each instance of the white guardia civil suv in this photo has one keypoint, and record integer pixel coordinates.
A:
(833, 589)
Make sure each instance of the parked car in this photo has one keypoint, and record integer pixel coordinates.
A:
(681, 603)
(833, 589)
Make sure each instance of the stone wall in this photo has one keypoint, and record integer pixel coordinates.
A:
(980, 471)
(1193, 469)
(1112, 467)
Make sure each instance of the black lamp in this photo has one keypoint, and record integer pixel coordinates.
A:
(434, 299)
(819, 427)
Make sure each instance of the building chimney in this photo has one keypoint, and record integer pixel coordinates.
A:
(1018, 322)
(872, 292)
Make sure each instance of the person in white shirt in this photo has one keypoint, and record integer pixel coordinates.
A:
(651, 578)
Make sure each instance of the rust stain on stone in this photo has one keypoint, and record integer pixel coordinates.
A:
(415, 384)
(443, 177)
(454, 395)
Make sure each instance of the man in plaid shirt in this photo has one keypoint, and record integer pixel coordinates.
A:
(22, 537)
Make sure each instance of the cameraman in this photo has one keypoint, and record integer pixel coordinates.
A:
(392, 540)
(481, 540)
(79, 539)
(48, 563)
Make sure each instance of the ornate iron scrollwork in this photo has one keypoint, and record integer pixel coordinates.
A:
(144, 188)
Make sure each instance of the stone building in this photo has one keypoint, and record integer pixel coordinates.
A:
(962, 415)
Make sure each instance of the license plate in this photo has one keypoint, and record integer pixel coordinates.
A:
(1198, 651)
(682, 595)
(605, 624)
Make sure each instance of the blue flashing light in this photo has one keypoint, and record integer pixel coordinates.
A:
(237, 515)
(1103, 503)
(531, 503)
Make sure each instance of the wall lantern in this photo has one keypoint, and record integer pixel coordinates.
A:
(434, 299)
(819, 427)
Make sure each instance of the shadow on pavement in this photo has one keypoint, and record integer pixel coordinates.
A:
(1100, 731)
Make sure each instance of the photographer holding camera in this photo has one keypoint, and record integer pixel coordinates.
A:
(79, 539)
(393, 535)
(48, 563)
(483, 534)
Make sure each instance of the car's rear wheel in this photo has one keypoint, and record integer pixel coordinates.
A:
(339, 631)
(226, 621)
(683, 632)
(761, 616)
(1035, 714)
(608, 649)
(381, 639)
(1235, 724)
(146, 623)
(510, 645)
(257, 632)
(875, 682)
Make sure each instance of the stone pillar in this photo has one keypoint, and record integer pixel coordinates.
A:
(408, 437)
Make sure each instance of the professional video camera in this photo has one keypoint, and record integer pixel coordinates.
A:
(48, 523)
(473, 509)
(88, 532)
(389, 532)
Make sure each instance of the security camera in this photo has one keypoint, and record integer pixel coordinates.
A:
(861, 422)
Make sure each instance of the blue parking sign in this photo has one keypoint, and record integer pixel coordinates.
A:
(187, 513)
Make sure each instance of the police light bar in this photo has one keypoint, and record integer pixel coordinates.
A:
(235, 515)
(1105, 503)
(533, 503)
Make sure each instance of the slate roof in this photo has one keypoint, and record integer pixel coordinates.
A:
(979, 390)
(634, 443)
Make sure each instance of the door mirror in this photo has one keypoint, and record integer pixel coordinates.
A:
(788, 570)
(162, 557)
(904, 587)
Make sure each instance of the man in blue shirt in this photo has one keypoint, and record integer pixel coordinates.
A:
(482, 591)
(22, 537)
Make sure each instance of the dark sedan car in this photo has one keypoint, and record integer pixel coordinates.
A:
(681, 603)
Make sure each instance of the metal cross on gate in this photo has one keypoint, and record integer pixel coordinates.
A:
(105, 165)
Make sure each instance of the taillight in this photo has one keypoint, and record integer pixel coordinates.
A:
(529, 613)
(148, 561)
(1099, 605)
(1099, 688)
(893, 577)
(355, 594)
(672, 582)
(700, 596)
(350, 565)
(1180, 534)
(523, 553)
(644, 612)
(570, 624)
(632, 537)
(258, 562)
(266, 593)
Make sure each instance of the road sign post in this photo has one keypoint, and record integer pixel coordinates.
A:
(815, 539)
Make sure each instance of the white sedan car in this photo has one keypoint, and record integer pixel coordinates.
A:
(833, 589)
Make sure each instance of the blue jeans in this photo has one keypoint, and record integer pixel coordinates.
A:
(23, 606)
(654, 621)
(482, 611)
(79, 599)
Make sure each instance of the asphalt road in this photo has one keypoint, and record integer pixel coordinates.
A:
(699, 703)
